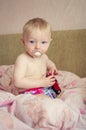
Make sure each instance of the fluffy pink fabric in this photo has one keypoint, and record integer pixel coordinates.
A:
(30, 112)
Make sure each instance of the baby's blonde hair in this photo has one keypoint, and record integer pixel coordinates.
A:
(36, 23)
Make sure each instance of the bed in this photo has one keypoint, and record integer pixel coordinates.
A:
(29, 112)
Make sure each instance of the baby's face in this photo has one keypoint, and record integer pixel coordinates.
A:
(37, 42)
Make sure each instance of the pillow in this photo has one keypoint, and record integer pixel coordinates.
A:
(6, 79)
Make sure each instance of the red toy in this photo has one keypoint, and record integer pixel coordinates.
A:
(56, 87)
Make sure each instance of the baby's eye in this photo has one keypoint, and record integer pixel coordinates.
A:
(32, 41)
(43, 42)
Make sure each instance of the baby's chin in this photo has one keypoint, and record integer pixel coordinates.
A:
(37, 54)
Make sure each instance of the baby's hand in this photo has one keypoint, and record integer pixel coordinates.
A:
(52, 72)
(48, 81)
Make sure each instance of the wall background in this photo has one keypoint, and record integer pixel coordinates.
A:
(61, 14)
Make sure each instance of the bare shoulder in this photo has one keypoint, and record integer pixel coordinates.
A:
(45, 57)
(21, 58)
(21, 63)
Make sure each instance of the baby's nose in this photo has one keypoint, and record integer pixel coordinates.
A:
(37, 45)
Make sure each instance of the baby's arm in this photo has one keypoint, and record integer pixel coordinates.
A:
(51, 67)
(23, 81)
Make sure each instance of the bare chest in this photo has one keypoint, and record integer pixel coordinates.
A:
(36, 68)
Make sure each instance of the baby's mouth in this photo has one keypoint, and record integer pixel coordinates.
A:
(37, 53)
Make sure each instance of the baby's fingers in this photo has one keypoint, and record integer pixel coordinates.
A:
(52, 78)
(55, 72)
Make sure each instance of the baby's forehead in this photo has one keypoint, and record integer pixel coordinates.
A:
(38, 33)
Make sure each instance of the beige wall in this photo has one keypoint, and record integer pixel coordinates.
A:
(61, 14)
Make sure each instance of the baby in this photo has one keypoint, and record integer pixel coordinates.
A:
(34, 72)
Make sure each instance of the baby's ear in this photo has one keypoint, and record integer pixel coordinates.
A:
(22, 40)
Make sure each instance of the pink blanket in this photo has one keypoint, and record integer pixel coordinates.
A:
(29, 112)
